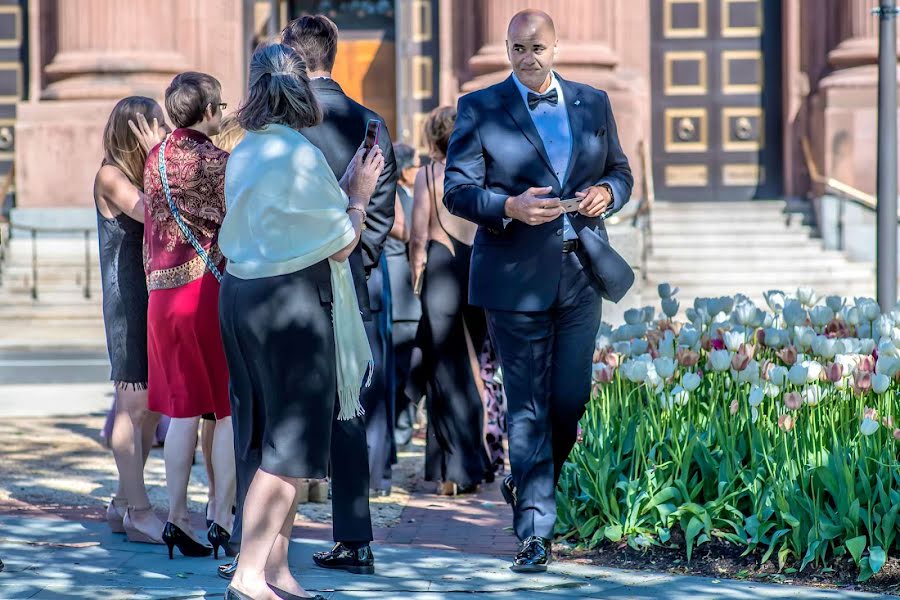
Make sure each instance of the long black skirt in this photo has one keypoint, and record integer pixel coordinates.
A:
(455, 447)
(279, 342)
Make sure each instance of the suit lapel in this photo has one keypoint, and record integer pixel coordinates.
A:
(515, 106)
(575, 107)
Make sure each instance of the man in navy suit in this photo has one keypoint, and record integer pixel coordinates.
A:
(517, 148)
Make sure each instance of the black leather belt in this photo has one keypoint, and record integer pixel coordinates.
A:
(570, 246)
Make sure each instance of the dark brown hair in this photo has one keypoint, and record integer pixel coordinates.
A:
(438, 127)
(279, 91)
(120, 146)
(315, 39)
(188, 96)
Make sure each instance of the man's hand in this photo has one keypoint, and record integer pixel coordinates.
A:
(530, 209)
(596, 200)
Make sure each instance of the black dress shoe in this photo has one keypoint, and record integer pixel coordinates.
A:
(289, 596)
(360, 561)
(533, 557)
(188, 546)
(219, 536)
(227, 571)
(508, 489)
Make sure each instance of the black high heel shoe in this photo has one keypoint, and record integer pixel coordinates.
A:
(219, 536)
(173, 536)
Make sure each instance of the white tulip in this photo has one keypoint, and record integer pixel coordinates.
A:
(813, 395)
(754, 415)
(726, 304)
(794, 313)
(870, 310)
(688, 336)
(868, 426)
(852, 315)
(733, 340)
(864, 330)
(666, 402)
(883, 326)
(887, 348)
(748, 375)
(634, 371)
(841, 347)
(756, 396)
(670, 307)
(666, 291)
(720, 360)
(803, 337)
(639, 347)
(835, 303)
(821, 316)
(771, 390)
(807, 296)
(778, 375)
(692, 315)
(665, 366)
(797, 374)
(667, 345)
(775, 300)
(824, 347)
(648, 313)
(887, 365)
(633, 316)
(691, 381)
(814, 370)
(880, 383)
(623, 348)
(744, 313)
(680, 395)
(866, 346)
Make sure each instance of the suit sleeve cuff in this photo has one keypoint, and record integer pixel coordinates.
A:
(620, 196)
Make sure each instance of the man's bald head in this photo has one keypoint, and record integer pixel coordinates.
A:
(531, 47)
(530, 21)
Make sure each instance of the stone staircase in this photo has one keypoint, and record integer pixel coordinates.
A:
(61, 315)
(723, 248)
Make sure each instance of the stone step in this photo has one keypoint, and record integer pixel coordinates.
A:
(811, 264)
(737, 228)
(775, 241)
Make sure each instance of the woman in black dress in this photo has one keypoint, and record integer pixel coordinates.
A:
(118, 197)
(291, 326)
(451, 332)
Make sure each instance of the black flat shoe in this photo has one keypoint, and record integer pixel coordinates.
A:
(359, 562)
(289, 596)
(508, 489)
(227, 571)
(218, 536)
(173, 536)
(233, 594)
(534, 556)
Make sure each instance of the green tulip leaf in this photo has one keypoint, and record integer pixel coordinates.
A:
(856, 547)
(877, 558)
(614, 533)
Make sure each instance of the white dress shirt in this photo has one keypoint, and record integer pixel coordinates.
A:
(552, 124)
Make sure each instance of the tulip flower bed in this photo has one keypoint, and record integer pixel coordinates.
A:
(773, 430)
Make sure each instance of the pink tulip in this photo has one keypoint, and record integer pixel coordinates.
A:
(867, 364)
(597, 355)
(764, 369)
(740, 360)
(761, 337)
(888, 421)
(870, 413)
(687, 358)
(793, 400)
(897, 434)
(788, 355)
(717, 344)
(735, 406)
(786, 423)
(834, 372)
(862, 382)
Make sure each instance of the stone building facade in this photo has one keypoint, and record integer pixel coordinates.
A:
(718, 95)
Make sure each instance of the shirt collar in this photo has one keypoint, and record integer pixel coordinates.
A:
(524, 90)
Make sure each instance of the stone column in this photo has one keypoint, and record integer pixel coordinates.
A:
(88, 54)
(111, 49)
(846, 103)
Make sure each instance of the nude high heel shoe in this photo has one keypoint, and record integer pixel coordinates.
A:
(136, 535)
(115, 513)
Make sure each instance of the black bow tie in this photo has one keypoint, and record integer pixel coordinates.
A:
(534, 100)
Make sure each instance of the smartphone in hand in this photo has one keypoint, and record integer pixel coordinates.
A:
(373, 128)
(570, 205)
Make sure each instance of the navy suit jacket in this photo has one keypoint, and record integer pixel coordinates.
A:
(496, 152)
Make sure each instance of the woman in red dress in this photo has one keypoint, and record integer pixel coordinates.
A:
(188, 374)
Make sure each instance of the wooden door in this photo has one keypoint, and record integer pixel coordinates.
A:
(716, 80)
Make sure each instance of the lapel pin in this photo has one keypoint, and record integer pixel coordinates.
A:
(578, 103)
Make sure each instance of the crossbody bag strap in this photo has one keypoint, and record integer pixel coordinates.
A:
(188, 234)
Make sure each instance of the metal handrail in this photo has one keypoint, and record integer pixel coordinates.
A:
(644, 206)
(843, 190)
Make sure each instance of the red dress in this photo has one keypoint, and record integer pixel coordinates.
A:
(188, 374)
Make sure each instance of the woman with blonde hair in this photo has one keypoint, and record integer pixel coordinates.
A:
(119, 199)
(291, 324)
(451, 332)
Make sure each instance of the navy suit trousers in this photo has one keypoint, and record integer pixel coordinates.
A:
(546, 359)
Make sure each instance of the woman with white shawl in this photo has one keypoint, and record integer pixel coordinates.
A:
(291, 326)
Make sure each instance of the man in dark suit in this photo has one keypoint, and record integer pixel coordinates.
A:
(338, 137)
(517, 148)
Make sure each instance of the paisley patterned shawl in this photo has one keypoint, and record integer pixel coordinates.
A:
(196, 173)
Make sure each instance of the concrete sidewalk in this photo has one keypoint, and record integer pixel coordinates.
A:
(54, 558)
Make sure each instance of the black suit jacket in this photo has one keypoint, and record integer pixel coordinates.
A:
(496, 152)
(338, 136)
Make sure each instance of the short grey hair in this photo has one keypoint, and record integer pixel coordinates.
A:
(279, 91)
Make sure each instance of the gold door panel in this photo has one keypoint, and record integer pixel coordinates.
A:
(742, 128)
(685, 73)
(687, 130)
(684, 19)
(742, 71)
(749, 174)
(741, 18)
(686, 175)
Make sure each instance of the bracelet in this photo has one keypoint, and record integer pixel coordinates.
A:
(361, 211)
